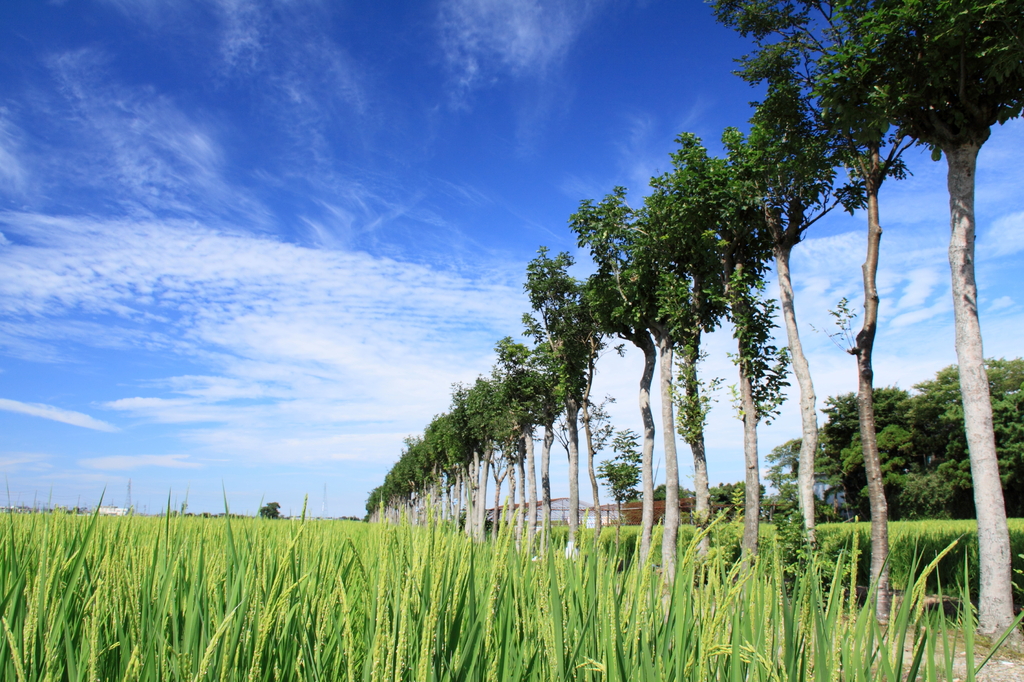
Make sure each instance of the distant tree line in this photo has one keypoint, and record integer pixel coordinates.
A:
(922, 443)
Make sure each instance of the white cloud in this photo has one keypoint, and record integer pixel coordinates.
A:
(137, 149)
(920, 282)
(347, 351)
(15, 461)
(13, 175)
(129, 462)
(483, 37)
(1005, 237)
(242, 41)
(941, 306)
(148, 10)
(55, 414)
(1001, 303)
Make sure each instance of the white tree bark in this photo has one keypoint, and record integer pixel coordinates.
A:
(695, 439)
(752, 501)
(802, 371)
(589, 436)
(521, 509)
(995, 603)
(531, 473)
(647, 462)
(513, 490)
(545, 480)
(481, 501)
(457, 499)
(668, 432)
(472, 485)
(498, 518)
(571, 419)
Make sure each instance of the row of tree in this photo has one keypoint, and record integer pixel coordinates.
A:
(848, 87)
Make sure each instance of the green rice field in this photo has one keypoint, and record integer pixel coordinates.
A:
(182, 598)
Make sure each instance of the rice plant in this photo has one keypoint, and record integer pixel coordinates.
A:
(176, 598)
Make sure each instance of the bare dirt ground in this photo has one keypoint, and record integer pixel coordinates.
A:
(1007, 665)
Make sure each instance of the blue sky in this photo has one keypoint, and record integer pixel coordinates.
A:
(249, 245)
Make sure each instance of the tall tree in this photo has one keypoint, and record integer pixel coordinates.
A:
(521, 389)
(853, 107)
(623, 297)
(814, 35)
(691, 298)
(946, 72)
(722, 202)
(652, 281)
(549, 400)
(464, 449)
(565, 323)
(794, 158)
(484, 414)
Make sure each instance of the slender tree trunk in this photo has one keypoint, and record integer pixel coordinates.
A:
(802, 371)
(496, 510)
(865, 403)
(531, 473)
(588, 433)
(513, 490)
(510, 500)
(752, 479)
(446, 504)
(449, 499)
(521, 506)
(695, 439)
(545, 480)
(463, 500)
(995, 602)
(571, 418)
(668, 432)
(460, 488)
(472, 485)
(498, 518)
(647, 462)
(457, 500)
(481, 514)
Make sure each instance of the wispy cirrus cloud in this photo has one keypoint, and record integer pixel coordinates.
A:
(482, 39)
(19, 461)
(130, 462)
(56, 414)
(1006, 236)
(134, 151)
(13, 175)
(331, 345)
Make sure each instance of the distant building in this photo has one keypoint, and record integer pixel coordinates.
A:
(112, 511)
